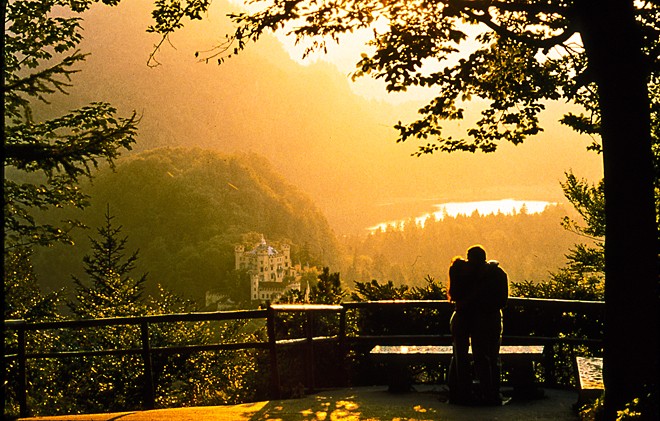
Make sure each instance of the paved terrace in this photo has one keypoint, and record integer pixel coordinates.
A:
(363, 403)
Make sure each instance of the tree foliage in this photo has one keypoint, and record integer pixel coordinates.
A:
(25, 299)
(115, 382)
(589, 201)
(204, 378)
(44, 156)
(23, 294)
(41, 53)
(529, 245)
(397, 321)
(513, 55)
(111, 291)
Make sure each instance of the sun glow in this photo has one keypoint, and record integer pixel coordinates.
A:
(484, 207)
(345, 52)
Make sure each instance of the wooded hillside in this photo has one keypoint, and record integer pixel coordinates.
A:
(185, 209)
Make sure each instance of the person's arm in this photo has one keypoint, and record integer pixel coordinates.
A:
(502, 288)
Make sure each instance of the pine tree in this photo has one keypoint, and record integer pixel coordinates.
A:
(112, 292)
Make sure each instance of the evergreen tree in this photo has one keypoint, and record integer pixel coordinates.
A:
(43, 159)
(109, 292)
(582, 278)
(589, 201)
(25, 300)
(112, 291)
(328, 289)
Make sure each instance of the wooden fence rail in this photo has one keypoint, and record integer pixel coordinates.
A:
(343, 338)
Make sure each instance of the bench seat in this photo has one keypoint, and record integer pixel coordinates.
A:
(590, 379)
(433, 352)
(519, 358)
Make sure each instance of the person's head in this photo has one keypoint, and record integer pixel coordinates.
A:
(457, 263)
(476, 254)
(456, 274)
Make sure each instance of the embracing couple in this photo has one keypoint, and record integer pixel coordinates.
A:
(479, 289)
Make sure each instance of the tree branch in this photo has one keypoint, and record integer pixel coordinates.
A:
(47, 74)
(533, 8)
(540, 43)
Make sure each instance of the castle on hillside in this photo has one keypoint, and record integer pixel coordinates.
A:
(271, 272)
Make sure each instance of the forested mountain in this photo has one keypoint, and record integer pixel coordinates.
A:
(185, 209)
(528, 246)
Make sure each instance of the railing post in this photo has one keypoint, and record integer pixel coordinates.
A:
(149, 396)
(22, 372)
(549, 365)
(343, 346)
(309, 350)
(272, 349)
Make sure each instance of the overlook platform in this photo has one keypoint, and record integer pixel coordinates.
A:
(360, 403)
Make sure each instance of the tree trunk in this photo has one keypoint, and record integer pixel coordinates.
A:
(613, 46)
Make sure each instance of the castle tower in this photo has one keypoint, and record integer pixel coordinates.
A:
(286, 251)
(239, 251)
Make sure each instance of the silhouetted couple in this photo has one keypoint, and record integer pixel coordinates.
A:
(480, 290)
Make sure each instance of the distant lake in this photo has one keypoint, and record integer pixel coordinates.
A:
(484, 207)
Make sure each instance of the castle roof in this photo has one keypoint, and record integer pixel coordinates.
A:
(262, 247)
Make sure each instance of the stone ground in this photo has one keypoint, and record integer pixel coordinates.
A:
(360, 403)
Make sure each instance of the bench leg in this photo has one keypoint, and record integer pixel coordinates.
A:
(523, 380)
(398, 378)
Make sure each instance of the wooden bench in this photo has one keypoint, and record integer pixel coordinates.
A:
(590, 379)
(519, 360)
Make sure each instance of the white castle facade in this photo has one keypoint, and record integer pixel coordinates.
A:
(271, 272)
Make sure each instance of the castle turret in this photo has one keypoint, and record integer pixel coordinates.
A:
(239, 251)
(286, 252)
